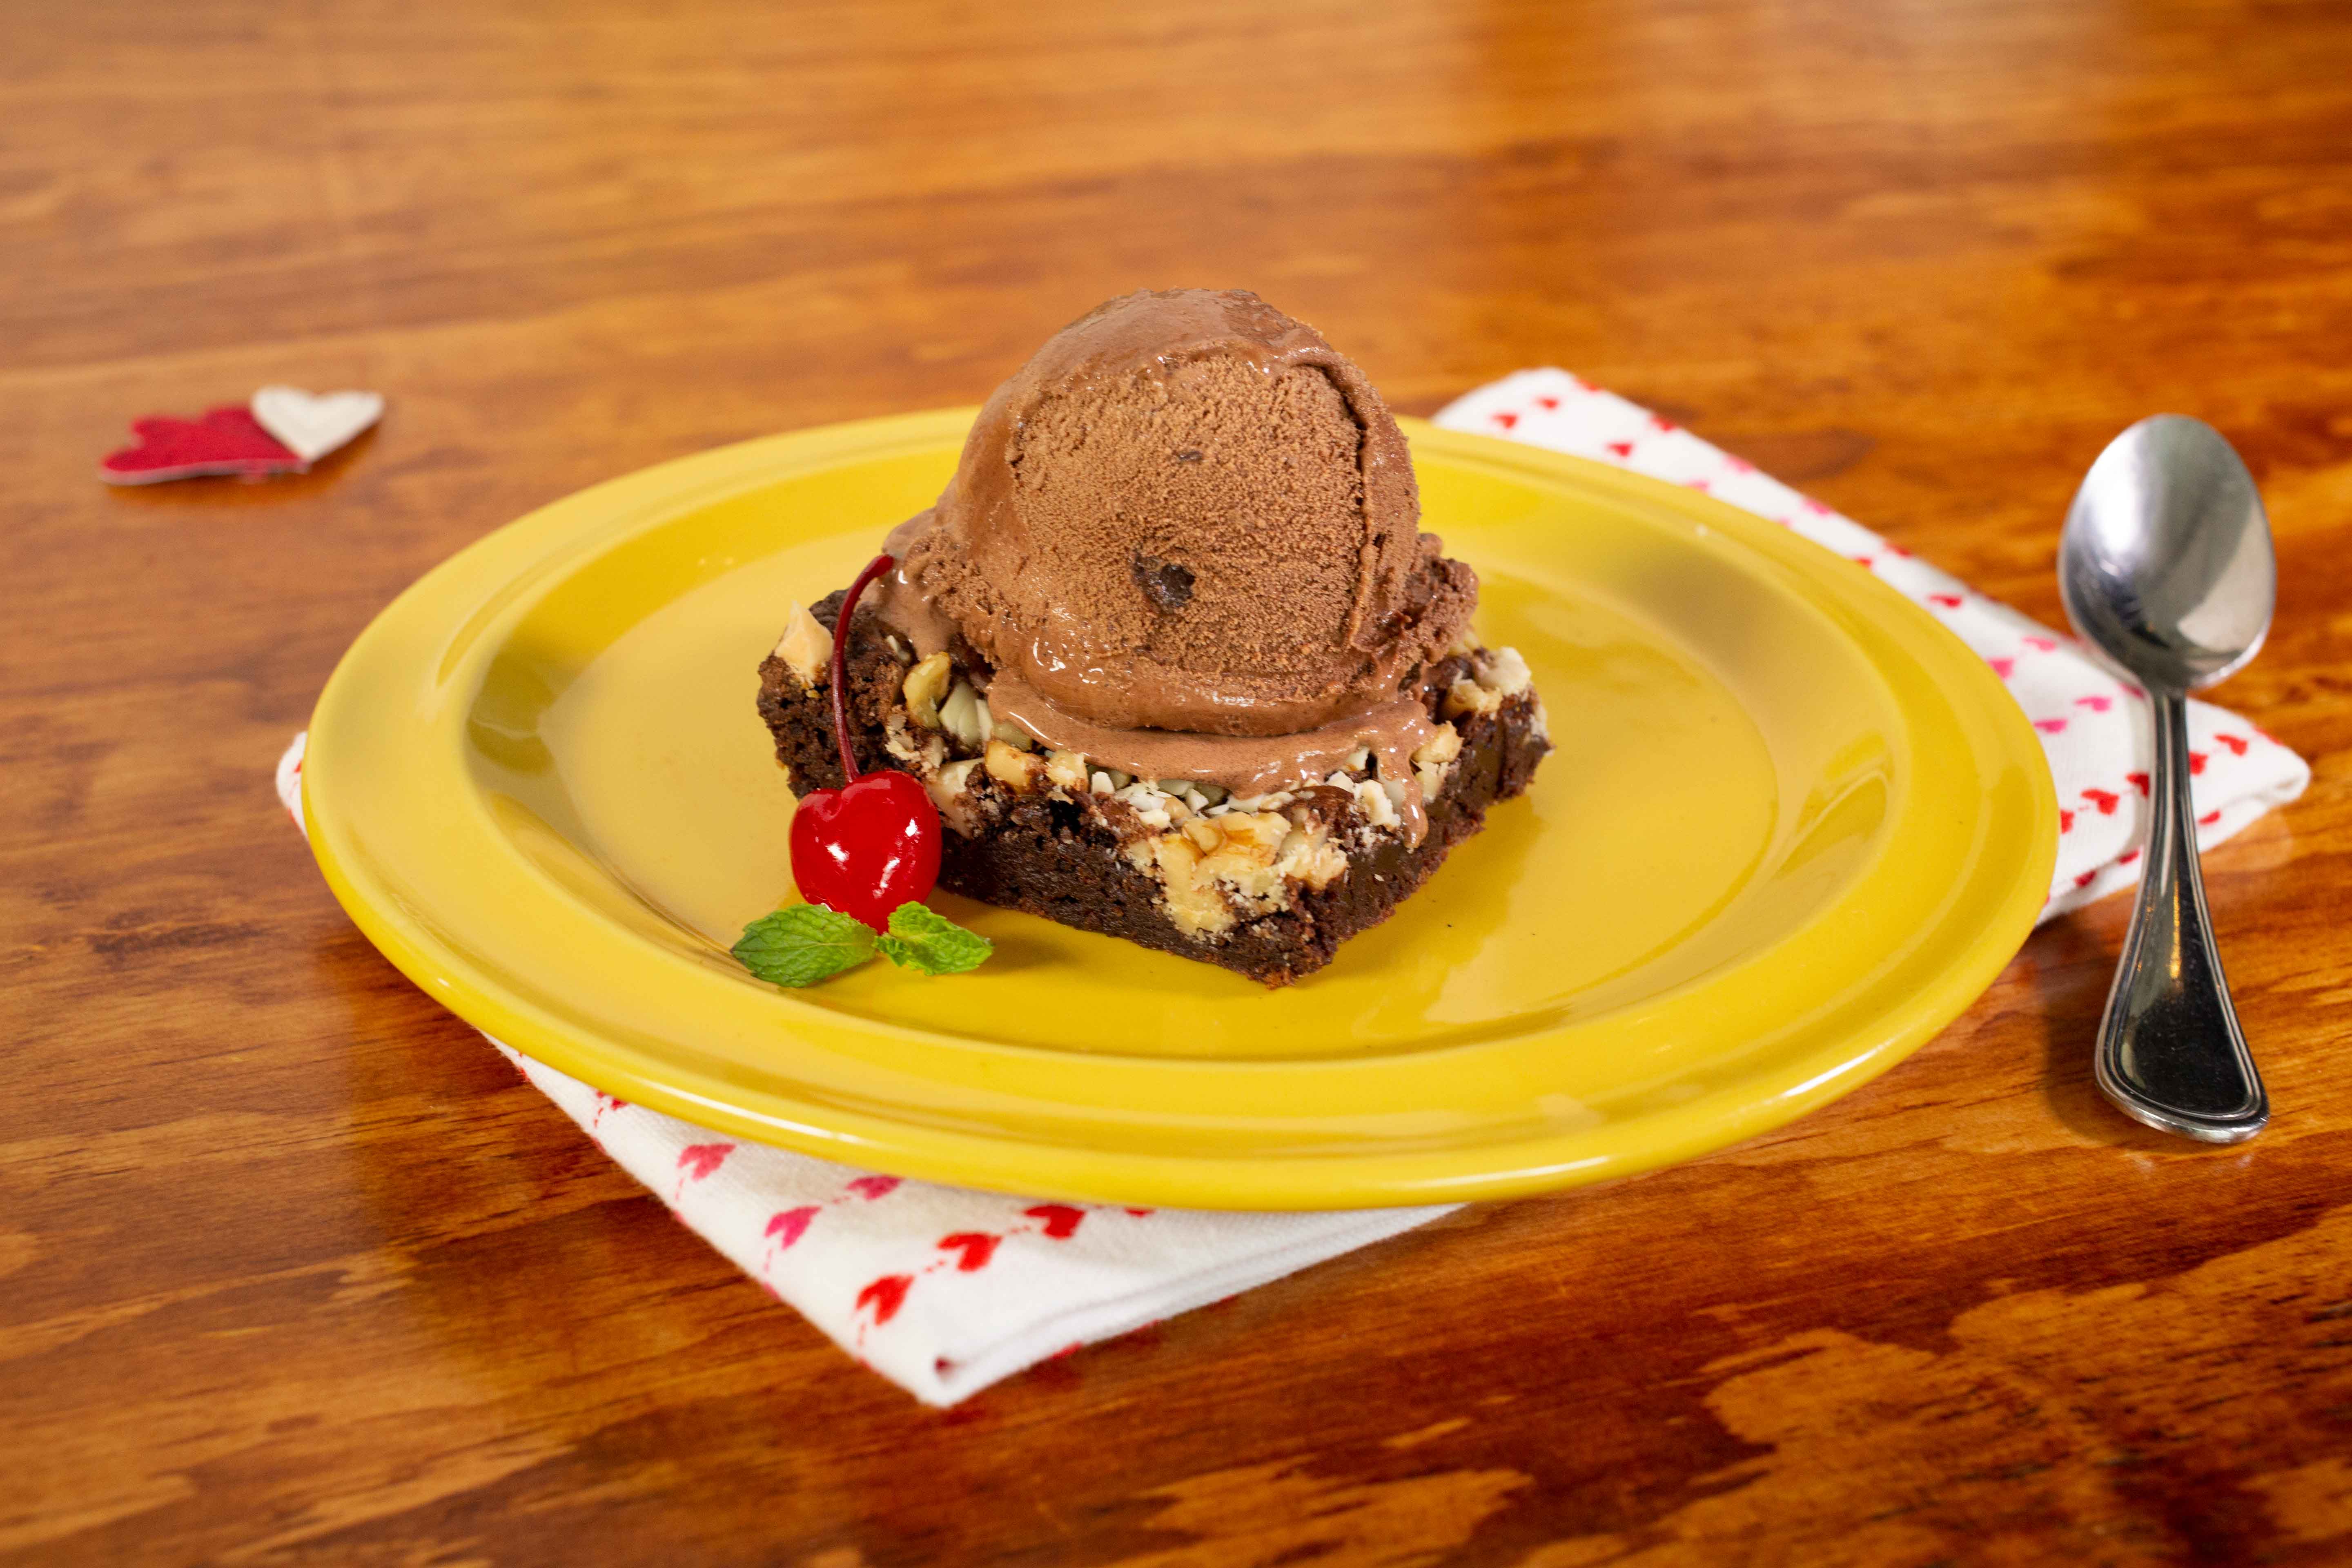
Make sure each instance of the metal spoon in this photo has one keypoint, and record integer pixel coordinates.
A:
(2166, 567)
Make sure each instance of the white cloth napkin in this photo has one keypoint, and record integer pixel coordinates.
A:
(944, 1290)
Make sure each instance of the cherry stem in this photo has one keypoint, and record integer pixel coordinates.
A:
(874, 568)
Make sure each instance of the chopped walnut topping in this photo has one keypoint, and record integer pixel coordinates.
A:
(951, 791)
(924, 686)
(1195, 904)
(1505, 673)
(1008, 767)
(806, 647)
(1434, 759)
(902, 742)
(1469, 697)
(1216, 872)
(965, 716)
(1309, 853)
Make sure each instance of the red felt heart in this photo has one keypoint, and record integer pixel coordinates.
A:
(225, 440)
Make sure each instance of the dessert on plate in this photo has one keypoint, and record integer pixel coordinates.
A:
(1171, 654)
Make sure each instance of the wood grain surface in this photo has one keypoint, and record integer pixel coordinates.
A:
(294, 1271)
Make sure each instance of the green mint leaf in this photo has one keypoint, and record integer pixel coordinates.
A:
(801, 944)
(921, 938)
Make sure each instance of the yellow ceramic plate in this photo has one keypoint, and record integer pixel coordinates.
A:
(1791, 828)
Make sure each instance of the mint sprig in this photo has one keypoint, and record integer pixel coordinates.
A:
(921, 938)
(801, 944)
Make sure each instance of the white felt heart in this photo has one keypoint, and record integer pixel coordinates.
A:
(314, 427)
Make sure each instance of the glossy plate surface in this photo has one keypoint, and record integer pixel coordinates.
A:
(1791, 828)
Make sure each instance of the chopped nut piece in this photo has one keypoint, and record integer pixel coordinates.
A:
(924, 686)
(1068, 769)
(1245, 860)
(911, 745)
(1214, 793)
(1195, 904)
(1101, 784)
(1149, 806)
(1203, 832)
(1007, 766)
(1377, 808)
(1540, 723)
(1505, 673)
(1013, 735)
(1444, 745)
(1309, 855)
(1463, 645)
(1434, 759)
(1253, 839)
(951, 791)
(1469, 697)
(959, 715)
(806, 647)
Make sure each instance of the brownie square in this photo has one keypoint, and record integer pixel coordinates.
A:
(1267, 887)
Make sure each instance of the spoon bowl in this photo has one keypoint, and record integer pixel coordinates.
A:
(2166, 564)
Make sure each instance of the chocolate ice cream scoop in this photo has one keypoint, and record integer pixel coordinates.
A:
(1189, 512)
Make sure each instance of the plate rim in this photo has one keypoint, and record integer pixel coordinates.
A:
(574, 525)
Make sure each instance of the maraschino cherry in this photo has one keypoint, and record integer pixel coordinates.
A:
(874, 844)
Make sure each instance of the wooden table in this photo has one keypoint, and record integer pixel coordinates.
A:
(292, 1270)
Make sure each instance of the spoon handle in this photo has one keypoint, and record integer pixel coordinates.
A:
(2170, 1052)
